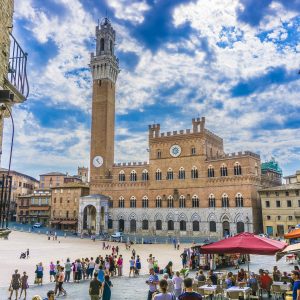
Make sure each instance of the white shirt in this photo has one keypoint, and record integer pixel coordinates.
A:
(177, 282)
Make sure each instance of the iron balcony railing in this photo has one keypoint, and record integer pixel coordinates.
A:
(17, 74)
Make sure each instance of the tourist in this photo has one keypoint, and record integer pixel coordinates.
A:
(133, 253)
(201, 276)
(213, 277)
(101, 274)
(242, 276)
(266, 282)
(91, 267)
(24, 285)
(150, 262)
(276, 274)
(189, 294)
(296, 287)
(78, 269)
(117, 250)
(168, 269)
(103, 245)
(60, 280)
(131, 266)
(183, 259)
(253, 284)
(27, 253)
(164, 294)
(39, 273)
(37, 297)
(120, 265)
(52, 271)
(68, 269)
(50, 295)
(177, 280)
(152, 282)
(138, 265)
(95, 288)
(15, 284)
(174, 243)
(170, 288)
(178, 245)
(106, 288)
(229, 281)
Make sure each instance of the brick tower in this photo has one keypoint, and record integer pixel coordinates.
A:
(105, 68)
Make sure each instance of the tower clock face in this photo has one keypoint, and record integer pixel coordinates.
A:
(175, 150)
(98, 161)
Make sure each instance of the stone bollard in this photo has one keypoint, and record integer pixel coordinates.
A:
(39, 232)
(142, 241)
(29, 230)
(21, 228)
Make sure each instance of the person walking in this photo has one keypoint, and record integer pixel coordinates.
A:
(138, 265)
(120, 265)
(27, 253)
(117, 250)
(133, 253)
(106, 288)
(39, 273)
(91, 267)
(131, 266)
(24, 285)
(68, 269)
(15, 284)
(60, 281)
(95, 288)
(177, 280)
(163, 295)
(189, 294)
(50, 295)
(52, 271)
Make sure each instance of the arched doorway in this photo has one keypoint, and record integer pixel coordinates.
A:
(240, 227)
(226, 228)
(102, 219)
(121, 225)
(89, 218)
(132, 225)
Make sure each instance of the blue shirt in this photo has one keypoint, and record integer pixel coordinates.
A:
(295, 288)
(101, 275)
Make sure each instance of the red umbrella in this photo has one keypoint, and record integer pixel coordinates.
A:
(244, 243)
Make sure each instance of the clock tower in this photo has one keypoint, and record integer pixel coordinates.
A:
(105, 68)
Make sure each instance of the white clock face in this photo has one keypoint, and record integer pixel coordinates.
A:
(175, 150)
(98, 161)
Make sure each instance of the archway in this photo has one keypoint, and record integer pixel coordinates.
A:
(121, 225)
(240, 227)
(89, 218)
(226, 228)
(132, 225)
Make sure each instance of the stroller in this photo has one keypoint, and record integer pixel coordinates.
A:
(23, 255)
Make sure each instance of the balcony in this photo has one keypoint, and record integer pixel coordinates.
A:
(16, 80)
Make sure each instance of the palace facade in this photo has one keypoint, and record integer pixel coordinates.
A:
(189, 186)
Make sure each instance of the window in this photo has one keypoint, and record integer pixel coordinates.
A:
(67, 214)
(278, 217)
(158, 202)
(237, 169)
(210, 172)
(102, 44)
(287, 193)
(193, 150)
(133, 175)
(195, 201)
(158, 154)
(145, 175)
(239, 201)
(145, 202)
(60, 199)
(110, 223)
(170, 174)
(211, 201)
(54, 200)
(170, 225)
(121, 202)
(145, 225)
(297, 192)
(268, 217)
(267, 203)
(170, 202)
(277, 203)
(181, 173)
(240, 227)
(182, 225)
(158, 224)
(276, 194)
(225, 201)
(298, 203)
(194, 173)
(132, 202)
(196, 226)
(158, 174)
(223, 170)
(182, 202)
(289, 203)
(212, 226)
(290, 218)
(122, 176)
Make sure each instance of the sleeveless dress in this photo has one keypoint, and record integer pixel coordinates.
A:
(15, 281)
(106, 290)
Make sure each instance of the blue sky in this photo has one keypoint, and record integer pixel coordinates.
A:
(235, 62)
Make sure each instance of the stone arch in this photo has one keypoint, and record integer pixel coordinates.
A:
(195, 217)
(121, 216)
(158, 216)
(225, 217)
(145, 217)
(170, 216)
(132, 216)
(238, 218)
(211, 217)
(182, 217)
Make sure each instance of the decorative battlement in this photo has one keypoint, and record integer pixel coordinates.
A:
(154, 130)
(214, 136)
(237, 155)
(130, 164)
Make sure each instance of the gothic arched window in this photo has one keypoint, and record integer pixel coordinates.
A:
(122, 176)
(237, 169)
(170, 174)
(223, 170)
(182, 202)
(132, 202)
(194, 172)
(195, 201)
(225, 201)
(145, 175)
(170, 202)
(181, 173)
(133, 175)
(239, 201)
(121, 202)
(211, 201)
(145, 202)
(158, 174)
(158, 202)
(210, 171)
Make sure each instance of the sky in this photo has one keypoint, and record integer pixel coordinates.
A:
(235, 62)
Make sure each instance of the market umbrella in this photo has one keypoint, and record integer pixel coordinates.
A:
(294, 234)
(288, 250)
(244, 243)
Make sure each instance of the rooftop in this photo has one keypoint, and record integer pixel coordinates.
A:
(3, 170)
(284, 187)
(54, 174)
